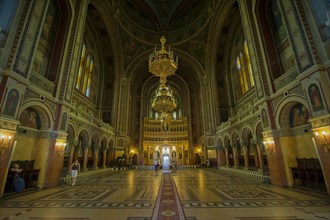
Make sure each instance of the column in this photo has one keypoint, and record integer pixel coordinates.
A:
(246, 157)
(104, 158)
(95, 157)
(255, 154)
(227, 157)
(221, 156)
(260, 157)
(236, 160)
(85, 159)
(275, 158)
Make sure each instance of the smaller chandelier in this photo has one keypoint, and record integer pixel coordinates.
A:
(162, 62)
(164, 100)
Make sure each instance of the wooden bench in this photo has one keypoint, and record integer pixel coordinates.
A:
(29, 174)
(308, 173)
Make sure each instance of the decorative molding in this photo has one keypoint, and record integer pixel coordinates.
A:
(42, 82)
(296, 34)
(30, 95)
(29, 38)
(8, 124)
(286, 79)
(320, 121)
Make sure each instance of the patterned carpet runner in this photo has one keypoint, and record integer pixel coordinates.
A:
(168, 205)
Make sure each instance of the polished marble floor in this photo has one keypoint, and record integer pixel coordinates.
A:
(205, 194)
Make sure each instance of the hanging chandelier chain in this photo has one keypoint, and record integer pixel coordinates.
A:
(162, 64)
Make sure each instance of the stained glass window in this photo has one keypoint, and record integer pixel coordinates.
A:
(85, 72)
(244, 71)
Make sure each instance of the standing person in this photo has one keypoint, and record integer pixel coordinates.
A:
(18, 182)
(75, 168)
(156, 165)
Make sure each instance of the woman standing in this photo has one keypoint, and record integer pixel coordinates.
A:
(19, 183)
(75, 168)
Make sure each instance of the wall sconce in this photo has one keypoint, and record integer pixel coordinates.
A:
(60, 148)
(322, 140)
(4, 144)
(269, 145)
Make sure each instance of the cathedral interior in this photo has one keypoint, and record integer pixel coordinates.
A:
(204, 88)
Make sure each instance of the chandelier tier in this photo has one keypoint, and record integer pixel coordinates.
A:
(164, 101)
(162, 63)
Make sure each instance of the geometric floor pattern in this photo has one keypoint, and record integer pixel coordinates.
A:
(205, 194)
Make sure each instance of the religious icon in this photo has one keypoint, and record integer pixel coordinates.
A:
(315, 98)
(11, 103)
(299, 115)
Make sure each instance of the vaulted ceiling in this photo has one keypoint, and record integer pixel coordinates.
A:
(186, 24)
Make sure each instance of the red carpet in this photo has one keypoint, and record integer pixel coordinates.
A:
(168, 205)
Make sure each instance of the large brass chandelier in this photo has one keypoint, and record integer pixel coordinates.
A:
(162, 64)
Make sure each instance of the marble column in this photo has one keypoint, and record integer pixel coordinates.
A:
(275, 158)
(96, 158)
(246, 157)
(260, 157)
(221, 157)
(255, 155)
(104, 157)
(236, 160)
(227, 157)
(85, 159)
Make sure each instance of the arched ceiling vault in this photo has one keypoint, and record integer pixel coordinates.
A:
(138, 26)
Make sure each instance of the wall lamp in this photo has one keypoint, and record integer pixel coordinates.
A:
(269, 145)
(322, 140)
(60, 148)
(268, 142)
(4, 143)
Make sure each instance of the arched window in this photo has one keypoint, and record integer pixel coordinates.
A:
(81, 65)
(244, 71)
(85, 72)
(7, 12)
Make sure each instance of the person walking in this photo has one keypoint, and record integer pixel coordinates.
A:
(75, 168)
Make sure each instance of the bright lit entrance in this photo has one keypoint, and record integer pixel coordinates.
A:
(166, 163)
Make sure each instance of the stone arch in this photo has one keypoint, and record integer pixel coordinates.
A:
(111, 143)
(247, 134)
(235, 138)
(229, 151)
(284, 108)
(43, 113)
(258, 132)
(95, 141)
(226, 141)
(220, 142)
(83, 138)
(71, 134)
(104, 143)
